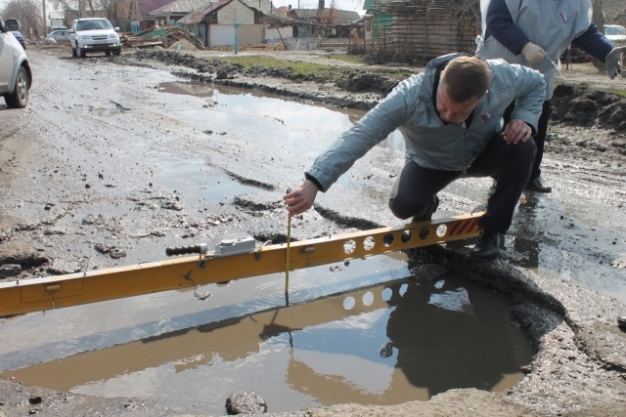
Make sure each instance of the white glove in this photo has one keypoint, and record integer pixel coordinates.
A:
(533, 53)
(613, 61)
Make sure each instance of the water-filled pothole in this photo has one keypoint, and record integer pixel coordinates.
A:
(383, 344)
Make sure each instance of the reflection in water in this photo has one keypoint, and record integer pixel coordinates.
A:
(527, 248)
(388, 344)
(245, 101)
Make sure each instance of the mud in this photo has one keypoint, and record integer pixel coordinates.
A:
(76, 192)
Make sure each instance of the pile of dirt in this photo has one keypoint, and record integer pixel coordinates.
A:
(176, 34)
(169, 36)
(183, 44)
(585, 106)
(186, 60)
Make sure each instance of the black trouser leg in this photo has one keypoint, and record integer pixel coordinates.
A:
(540, 138)
(413, 191)
(512, 164)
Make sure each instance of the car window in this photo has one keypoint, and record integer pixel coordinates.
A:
(614, 30)
(94, 25)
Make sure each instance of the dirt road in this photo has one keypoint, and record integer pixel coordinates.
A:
(97, 172)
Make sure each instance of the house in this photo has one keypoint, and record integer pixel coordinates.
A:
(215, 22)
(57, 20)
(324, 22)
(173, 11)
(421, 29)
(145, 8)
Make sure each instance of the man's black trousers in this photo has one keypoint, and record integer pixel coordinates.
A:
(413, 192)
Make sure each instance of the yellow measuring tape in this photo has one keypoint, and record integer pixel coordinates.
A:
(287, 255)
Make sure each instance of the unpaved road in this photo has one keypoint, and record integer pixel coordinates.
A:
(83, 186)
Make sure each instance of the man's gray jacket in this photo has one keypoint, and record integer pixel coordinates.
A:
(430, 142)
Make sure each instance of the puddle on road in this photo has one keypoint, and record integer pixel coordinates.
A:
(195, 176)
(394, 341)
(384, 344)
(255, 103)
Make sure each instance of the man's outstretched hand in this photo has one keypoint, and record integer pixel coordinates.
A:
(302, 198)
(517, 131)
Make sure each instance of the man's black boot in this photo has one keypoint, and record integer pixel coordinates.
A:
(538, 186)
(428, 215)
(487, 247)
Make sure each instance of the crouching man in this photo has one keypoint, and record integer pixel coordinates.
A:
(451, 119)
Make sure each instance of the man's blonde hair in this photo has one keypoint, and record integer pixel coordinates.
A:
(466, 77)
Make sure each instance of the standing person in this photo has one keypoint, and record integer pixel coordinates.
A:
(568, 58)
(450, 116)
(535, 33)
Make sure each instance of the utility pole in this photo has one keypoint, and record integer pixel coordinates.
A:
(45, 21)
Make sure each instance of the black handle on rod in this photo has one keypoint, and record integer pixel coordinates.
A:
(186, 250)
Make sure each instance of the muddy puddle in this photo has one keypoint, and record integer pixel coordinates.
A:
(362, 332)
(250, 105)
(381, 343)
(195, 176)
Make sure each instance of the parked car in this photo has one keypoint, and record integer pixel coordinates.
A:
(14, 26)
(615, 33)
(15, 74)
(60, 36)
(20, 38)
(94, 34)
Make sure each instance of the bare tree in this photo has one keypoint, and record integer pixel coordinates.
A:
(328, 16)
(598, 15)
(28, 13)
(122, 12)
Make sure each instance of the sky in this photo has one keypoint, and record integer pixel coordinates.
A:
(354, 5)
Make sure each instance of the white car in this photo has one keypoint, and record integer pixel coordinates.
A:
(94, 34)
(15, 74)
(615, 33)
(60, 36)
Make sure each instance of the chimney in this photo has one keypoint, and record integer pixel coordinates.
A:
(289, 7)
(321, 5)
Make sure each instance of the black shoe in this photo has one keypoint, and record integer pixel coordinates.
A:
(487, 247)
(537, 185)
(621, 322)
(428, 215)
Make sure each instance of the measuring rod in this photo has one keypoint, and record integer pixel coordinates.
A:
(231, 259)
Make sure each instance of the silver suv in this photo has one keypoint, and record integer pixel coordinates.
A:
(15, 75)
(94, 34)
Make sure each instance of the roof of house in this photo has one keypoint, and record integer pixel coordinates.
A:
(178, 7)
(146, 6)
(342, 16)
(196, 16)
(203, 7)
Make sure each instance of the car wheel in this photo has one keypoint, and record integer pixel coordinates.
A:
(74, 54)
(117, 52)
(108, 53)
(82, 53)
(19, 97)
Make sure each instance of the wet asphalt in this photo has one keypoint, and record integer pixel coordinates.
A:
(101, 168)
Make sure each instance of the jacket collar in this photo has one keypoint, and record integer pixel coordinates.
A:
(433, 66)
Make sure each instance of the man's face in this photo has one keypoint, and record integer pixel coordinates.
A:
(449, 110)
